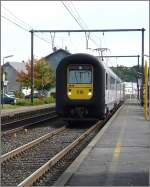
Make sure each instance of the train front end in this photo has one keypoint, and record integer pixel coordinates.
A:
(78, 93)
(79, 87)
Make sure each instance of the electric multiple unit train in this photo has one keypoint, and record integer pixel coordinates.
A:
(86, 88)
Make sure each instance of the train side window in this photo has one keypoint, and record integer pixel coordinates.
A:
(117, 84)
(112, 83)
(106, 81)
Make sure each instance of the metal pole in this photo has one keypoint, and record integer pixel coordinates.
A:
(42, 80)
(32, 69)
(89, 30)
(2, 84)
(142, 58)
(149, 89)
(138, 96)
(2, 80)
(120, 56)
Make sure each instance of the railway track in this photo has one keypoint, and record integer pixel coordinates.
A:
(24, 160)
(19, 124)
(21, 149)
(24, 113)
(42, 163)
(23, 136)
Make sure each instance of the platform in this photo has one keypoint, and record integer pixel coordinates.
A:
(7, 112)
(117, 156)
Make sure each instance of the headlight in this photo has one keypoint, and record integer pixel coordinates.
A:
(90, 93)
(69, 92)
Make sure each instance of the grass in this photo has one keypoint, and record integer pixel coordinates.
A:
(27, 102)
(10, 106)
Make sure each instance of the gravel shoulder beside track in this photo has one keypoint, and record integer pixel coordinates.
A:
(15, 140)
(17, 169)
(51, 177)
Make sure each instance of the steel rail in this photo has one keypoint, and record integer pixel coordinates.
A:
(32, 123)
(29, 145)
(48, 165)
(26, 120)
(35, 176)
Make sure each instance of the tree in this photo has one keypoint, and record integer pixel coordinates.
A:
(128, 74)
(44, 76)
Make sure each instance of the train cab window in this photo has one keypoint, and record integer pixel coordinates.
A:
(80, 74)
(106, 81)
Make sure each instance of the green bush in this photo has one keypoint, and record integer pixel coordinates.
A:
(36, 101)
(53, 94)
(23, 102)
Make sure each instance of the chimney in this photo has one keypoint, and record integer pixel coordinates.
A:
(54, 49)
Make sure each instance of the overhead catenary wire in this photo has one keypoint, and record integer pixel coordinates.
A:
(81, 22)
(78, 20)
(23, 22)
(18, 25)
(14, 20)
(14, 23)
(72, 14)
(86, 26)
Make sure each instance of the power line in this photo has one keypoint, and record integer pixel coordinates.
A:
(83, 21)
(71, 14)
(17, 17)
(78, 14)
(14, 23)
(79, 19)
(19, 25)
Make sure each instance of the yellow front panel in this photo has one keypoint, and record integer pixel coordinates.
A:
(80, 91)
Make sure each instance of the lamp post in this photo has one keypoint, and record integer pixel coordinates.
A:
(2, 78)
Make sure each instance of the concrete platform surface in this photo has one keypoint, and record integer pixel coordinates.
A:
(23, 109)
(117, 156)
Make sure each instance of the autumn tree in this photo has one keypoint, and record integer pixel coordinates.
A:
(44, 76)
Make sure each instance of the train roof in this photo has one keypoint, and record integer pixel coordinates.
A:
(92, 57)
(108, 70)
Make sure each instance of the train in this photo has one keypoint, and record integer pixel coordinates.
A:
(86, 89)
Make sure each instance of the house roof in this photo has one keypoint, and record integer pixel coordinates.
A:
(57, 51)
(18, 66)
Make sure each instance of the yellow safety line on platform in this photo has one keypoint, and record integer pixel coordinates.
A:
(117, 151)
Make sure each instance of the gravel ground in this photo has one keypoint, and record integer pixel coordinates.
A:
(17, 169)
(57, 170)
(10, 142)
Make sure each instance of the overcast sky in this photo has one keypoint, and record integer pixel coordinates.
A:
(94, 14)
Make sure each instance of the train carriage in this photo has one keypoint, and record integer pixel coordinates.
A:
(85, 88)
